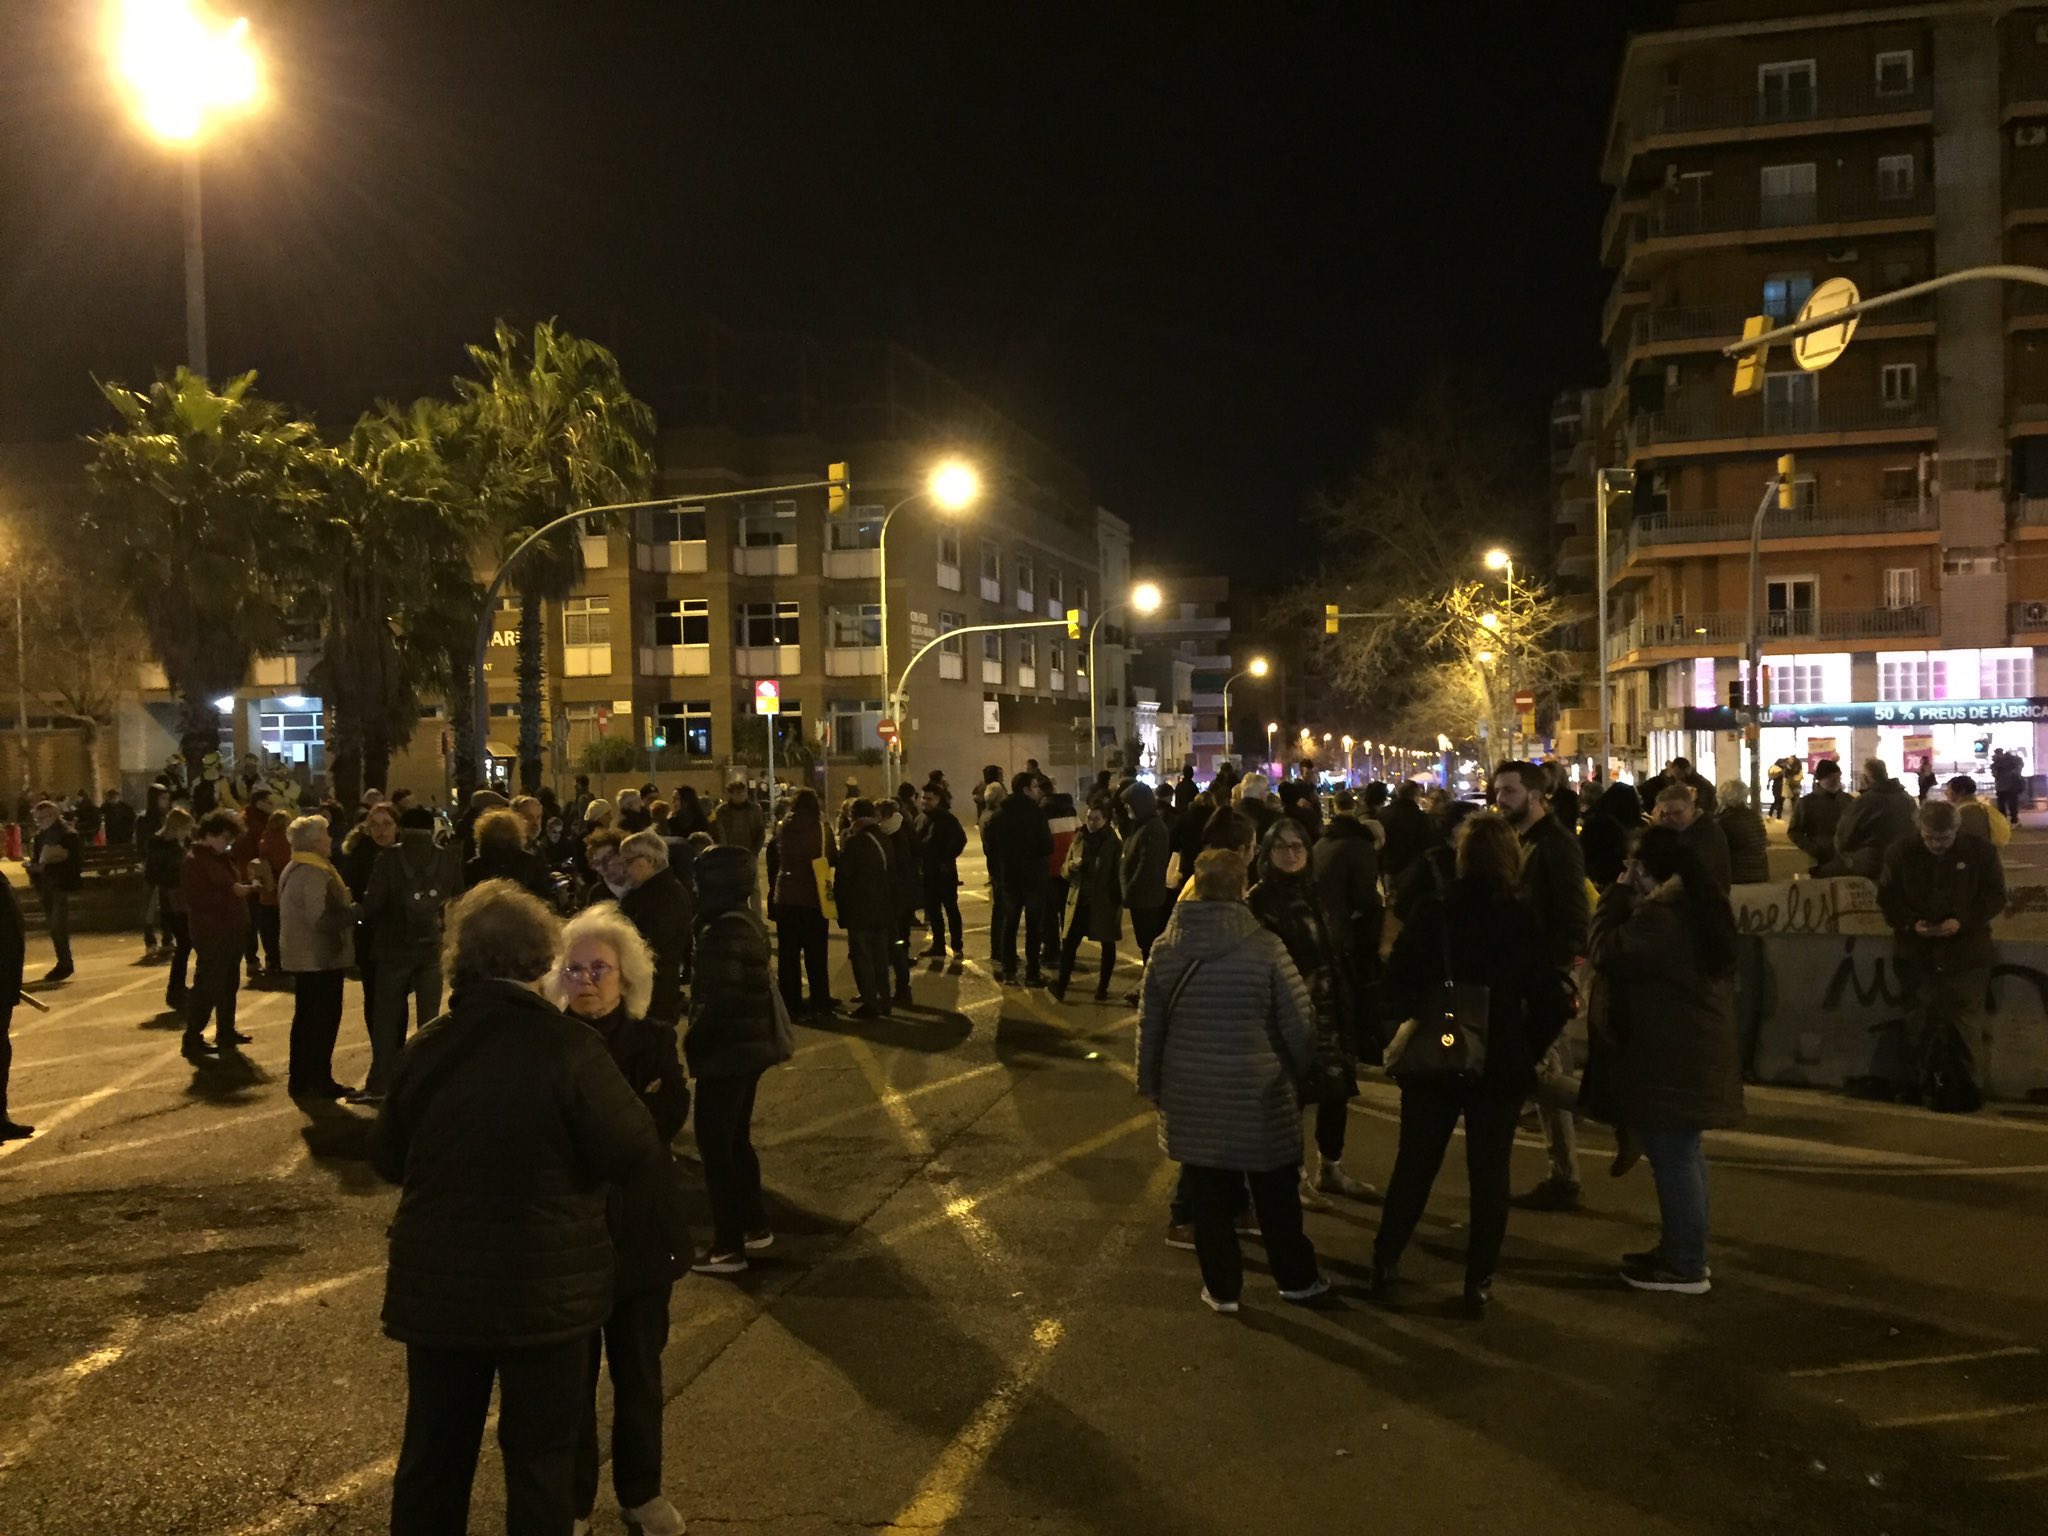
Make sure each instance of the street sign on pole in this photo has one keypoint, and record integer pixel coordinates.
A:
(1816, 349)
(886, 729)
(1524, 699)
(767, 697)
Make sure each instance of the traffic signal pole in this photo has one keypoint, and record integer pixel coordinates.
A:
(1778, 489)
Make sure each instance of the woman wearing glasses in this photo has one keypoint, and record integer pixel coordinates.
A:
(606, 979)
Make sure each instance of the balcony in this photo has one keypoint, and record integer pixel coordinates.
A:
(767, 660)
(1819, 214)
(1831, 108)
(1757, 419)
(675, 661)
(853, 564)
(853, 661)
(1684, 634)
(764, 560)
(680, 556)
(2030, 512)
(1731, 525)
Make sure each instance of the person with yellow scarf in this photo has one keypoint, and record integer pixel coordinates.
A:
(316, 929)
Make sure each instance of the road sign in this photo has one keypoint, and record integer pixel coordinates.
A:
(1524, 699)
(767, 697)
(886, 729)
(1816, 349)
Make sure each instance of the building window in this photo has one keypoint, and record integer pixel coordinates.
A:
(1895, 177)
(991, 573)
(949, 547)
(767, 524)
(1785, 92)
(1895, 73)
(1894, 273)
(1789, 602)
(1055, 592)
(859, 529)
(687, 725)
(587, 637)
(1027, 651)
(1899, 383)
(992, 647)
(1795, 683)
(597, 551)
(1026, 583)
(949, 622)
(855, 625)
(765, 624)
(1788, 194)
(852, 724)
(1909, 676)
(1791, 401)
(1899, 484)
(293, 735)
(1902, 586)
(2006, 674)
(676, 525)
(683, 621)
(1081, 597)
(1786, 293)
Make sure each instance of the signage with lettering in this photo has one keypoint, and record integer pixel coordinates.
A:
(1891, 712)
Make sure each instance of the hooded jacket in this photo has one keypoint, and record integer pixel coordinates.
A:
(1146, 849)
(1225, 1059)
(732, 1016)
(662, 909)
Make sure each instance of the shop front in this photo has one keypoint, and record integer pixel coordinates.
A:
(1957, 735)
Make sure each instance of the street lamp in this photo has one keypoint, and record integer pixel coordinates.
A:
(1498, 559)
(1258, 666)
(180, 69)
(1272, 731)
(1144, 598)
(952, 486)
(1347, 761)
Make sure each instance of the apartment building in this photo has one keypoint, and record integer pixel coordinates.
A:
(1192, 629)
(1573, 725)
(1757, 150)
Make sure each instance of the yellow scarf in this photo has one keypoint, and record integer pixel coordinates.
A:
(319, 862)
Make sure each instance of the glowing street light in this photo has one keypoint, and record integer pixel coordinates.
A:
(1272, 730)
(181, 70)
(1144, 598)
(1258, 666)
(1490, 621)
(954, 486)
(1499, 560)
(1484, 658)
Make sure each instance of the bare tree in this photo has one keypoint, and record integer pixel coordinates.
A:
(81, 654)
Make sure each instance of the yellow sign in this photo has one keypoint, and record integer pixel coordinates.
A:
(767, 697)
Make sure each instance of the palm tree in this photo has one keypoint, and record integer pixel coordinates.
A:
(197, 524)
(565, 432)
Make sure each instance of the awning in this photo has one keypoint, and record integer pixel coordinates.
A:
(499, 749)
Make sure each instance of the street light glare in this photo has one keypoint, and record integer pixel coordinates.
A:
(1497, 559)
(179, 65)
(1145, 597)
(1259, 668)
(954, 485)
(1485, 658)
(1490, 621)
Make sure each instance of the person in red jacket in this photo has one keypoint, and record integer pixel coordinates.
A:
(217, 912)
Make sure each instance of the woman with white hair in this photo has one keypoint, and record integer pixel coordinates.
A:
(606, 979)
(316, 919)
(1749, 859)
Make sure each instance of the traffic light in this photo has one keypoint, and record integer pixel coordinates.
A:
(1788, 491)
(1073, 623)
(1749, 367)
(1329, 618)
(660, 740)
(835, 493)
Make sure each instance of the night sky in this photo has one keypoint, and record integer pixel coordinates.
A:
(1202, 250)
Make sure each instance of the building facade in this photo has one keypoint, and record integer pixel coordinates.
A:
(1757, 150)
(1192, 628)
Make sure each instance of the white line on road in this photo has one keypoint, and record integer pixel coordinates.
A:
(57, 1389)
(1860, 1367)
(236, 1117)
(1961, 1416)
(889, 1098)
(2031, 1475)
(78, 1107)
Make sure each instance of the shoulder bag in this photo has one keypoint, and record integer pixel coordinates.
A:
(1449, 1040)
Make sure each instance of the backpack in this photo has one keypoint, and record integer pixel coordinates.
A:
(424, 890)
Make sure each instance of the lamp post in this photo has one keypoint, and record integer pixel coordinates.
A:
(1625, 481)
(1145, 599)
(1347, 762)
(181, 70)
(1500, 560)
(1272, 732)
(1256, 667)
(952, 486)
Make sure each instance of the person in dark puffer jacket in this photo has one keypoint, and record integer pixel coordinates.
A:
(664, 911)
(1226, 1038)
(503, 1122)
(606, 979)
(732, 1039)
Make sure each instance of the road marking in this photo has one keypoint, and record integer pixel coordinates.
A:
(58, 1387)
(1961, 1416)
(1808, 1098)
(345, 1487)
(944, 1489)
(236, 1116)
(2031, 1475)
(1035, 1171)
(78, 1107)
(1825, 1153)
(1861, 1367)
(891, 1096)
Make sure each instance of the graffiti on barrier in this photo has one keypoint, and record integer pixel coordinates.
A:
(1846, 905)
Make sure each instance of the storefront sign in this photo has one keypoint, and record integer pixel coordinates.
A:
(1919, 744)
(1896, 712)
(1817, 749)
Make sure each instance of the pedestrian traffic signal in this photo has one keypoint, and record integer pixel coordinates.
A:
(1330, 618)
(1749, 367)
(1788, 491)
(835, 493)
(1073, 623)
(660, 740)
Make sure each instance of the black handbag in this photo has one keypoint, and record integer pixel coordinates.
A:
(1448, 1041)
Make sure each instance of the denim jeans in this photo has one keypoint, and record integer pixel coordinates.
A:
(1679, 1165)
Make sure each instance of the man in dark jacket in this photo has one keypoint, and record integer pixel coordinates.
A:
(1681, 771)
(217, 912)
(410, 886)
(504, 1123)
(1554, 887)
(1939, 891)
(906, 887)
(56, 861)
(866, 901)
(1817, 814)
(1347, 870)
(945, 839)
(663, 909)
(1020, 842)
(1678, 809)
(12, 958)
(1142, 872)
(1878, 818)
(1408, 833)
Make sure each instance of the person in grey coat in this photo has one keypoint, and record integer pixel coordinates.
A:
(316, 922)
(1226, 1038)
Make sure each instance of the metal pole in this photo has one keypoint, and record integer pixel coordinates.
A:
(1094, 723)
(195, 269)
(2038, 276)
(1600, 598)
(20, 675)
(1754, 693)
(769, 722)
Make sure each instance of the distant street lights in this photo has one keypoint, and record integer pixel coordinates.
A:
(1145, 599)
(952, 486)
(1500, 560)
(1258, 666)
(182, 70)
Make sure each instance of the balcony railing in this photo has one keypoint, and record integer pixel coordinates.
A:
(1681, 631)
(1760, 109)
(2030, 512)
(1759, 417)
(1723, 322)
(1723, 524)
(1678, 217)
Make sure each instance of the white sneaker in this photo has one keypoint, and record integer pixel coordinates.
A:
(1318, 1287)
(1331, 1179)
(657, 1517)
(759, 1242)
(1214, 1305)
(1310, 1200)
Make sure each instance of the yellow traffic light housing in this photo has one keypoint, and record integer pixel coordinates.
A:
(1073, 623)
(1749, 367)
(1788, 489)
(1330, 618)
(835, 493)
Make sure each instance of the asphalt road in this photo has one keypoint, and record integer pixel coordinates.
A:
(971, 1321)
